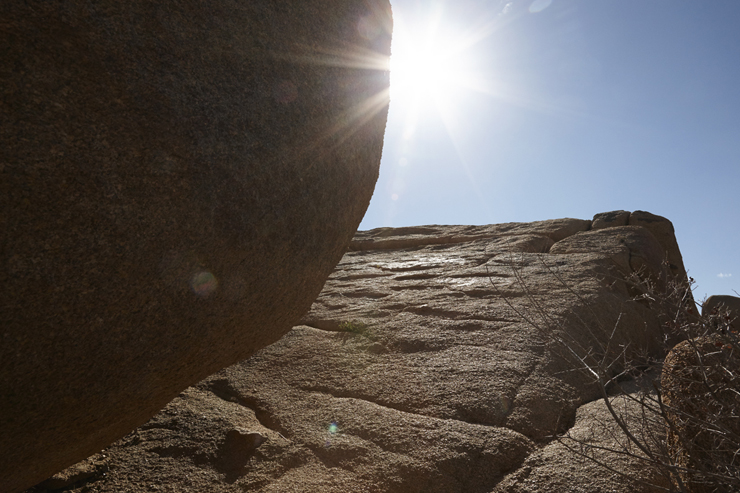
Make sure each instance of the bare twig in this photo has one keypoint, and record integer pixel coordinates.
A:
(607, 360)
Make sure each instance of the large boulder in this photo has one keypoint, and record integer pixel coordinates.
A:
(428, 363)
(575, 462)
(660, 227)
(610, 219)
(664, 232)
(699, 381)
(177, 180)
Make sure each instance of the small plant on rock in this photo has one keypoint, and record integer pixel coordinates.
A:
(355, 327)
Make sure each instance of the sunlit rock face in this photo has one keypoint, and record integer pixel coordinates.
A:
(416, 371)
(177, 180)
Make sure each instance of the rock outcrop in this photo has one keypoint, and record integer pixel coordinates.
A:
(177, 180)
(661, 228)
(700, 381)
(725, 306)
(414, 371)
(556, 468)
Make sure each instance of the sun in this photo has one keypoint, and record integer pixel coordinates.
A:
(424, 69)
(429, 61)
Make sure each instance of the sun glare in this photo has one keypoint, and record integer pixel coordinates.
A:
(428, 61)
(421, 70)
(436, 77)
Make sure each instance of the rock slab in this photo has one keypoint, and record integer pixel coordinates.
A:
(177, 180)
(414, 371)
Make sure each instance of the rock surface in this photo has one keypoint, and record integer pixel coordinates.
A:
(555, 468)
(726, 306)
(700, 381)
(177, 180)
(414, 372)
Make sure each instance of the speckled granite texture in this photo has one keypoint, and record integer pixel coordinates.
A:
(417, 370)
(177, 181)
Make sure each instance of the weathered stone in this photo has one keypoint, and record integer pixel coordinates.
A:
(177, 180)
(659, 226)
(571, 463)
(631, 248)
(409, 237)
(415, 369)
(663, 231)
(699, 382)
(726, 306)
(337, 445)
(610, 219)
(238, 447)
(80, 472)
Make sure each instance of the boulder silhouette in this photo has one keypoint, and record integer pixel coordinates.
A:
(177, 181)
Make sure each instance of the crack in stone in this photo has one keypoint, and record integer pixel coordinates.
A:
(321, 452)
(354, 396)
(223, 389)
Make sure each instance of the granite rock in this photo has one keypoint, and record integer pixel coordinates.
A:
(726, 306)
(659, 226)
(664, 232)
(177, 180)
(569, 464)
(415, 370)
(610, 219)
(699, 381)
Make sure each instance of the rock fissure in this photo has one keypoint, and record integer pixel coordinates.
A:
(416, 371)
(223, 389)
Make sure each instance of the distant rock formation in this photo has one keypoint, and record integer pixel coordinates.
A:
(177, 180)
(413, 371)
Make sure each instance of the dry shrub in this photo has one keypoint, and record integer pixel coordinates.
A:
(684, 421)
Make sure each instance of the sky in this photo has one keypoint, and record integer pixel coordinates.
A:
(525, 110)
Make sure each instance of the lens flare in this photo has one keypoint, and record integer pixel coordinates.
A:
(203, 283)
(539, 6)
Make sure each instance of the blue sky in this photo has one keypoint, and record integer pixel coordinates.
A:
(544, 109)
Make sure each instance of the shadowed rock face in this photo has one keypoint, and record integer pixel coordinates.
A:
(726, 305)
(177, 180)
(412, 373)
(557, 469)
(700, 381)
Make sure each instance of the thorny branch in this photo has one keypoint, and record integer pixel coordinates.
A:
(675, 304)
